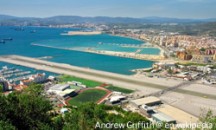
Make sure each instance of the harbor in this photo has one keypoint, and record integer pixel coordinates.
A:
(13, 74)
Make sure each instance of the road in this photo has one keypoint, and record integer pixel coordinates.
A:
(123, 81)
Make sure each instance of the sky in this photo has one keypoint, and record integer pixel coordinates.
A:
(115, 8)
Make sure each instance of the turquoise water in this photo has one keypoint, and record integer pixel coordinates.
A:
(21, 45)
(150, 51)
(97, 42)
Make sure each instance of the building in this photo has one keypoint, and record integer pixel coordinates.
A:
(161, 65)
(203, 58)
(210, 51)
(64, 110)
(60, 87)
(5, 84)
(161, 117)
(149, 101)
(19, 87)
(38, 78)
(214, 57)
(62, 90)
(147, 111)
(117, 99)
(184, 56)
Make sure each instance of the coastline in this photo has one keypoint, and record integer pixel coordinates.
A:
(72, 33)
(128, 55)
(145, 41)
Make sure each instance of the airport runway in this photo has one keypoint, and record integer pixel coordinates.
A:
(123, 81)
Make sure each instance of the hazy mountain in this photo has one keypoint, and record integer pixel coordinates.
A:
(12, 20)
(6, 17)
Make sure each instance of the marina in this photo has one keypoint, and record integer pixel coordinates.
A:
(15, 73)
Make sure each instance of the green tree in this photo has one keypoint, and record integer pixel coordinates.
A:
(6, 126)
(26, 110)
(87, 115)
(169, 71)
(202, 49)
(1, 88)
(209, 118)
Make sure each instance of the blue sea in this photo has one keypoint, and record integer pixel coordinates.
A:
(23, 40)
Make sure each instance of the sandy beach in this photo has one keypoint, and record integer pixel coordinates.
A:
(114, 53)
(129, 55)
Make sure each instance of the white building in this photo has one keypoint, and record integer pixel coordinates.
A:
(62, 90)
(38, 78)
(115, 99)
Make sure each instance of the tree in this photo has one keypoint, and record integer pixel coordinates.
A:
(26, 110)
(87, 116)
(1, 88)
(202, 49)
(30, 110)
(6, 126)
(170, 71)
(209, 118)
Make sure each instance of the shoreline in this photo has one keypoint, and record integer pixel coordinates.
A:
(144, 41)
(128, 55)
(72, 33)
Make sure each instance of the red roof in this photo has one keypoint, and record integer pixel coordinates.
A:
(20, 87)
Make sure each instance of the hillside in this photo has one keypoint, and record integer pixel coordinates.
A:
(12, 20)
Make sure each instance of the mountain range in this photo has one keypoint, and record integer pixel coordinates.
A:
(13, 20)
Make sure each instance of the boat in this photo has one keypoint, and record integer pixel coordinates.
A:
(19, 29)
(2, 41)
(33, 31)
(4, 68)
(8, 39)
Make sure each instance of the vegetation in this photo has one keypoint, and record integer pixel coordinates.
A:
(25, 110)
(196, 64)
(87, 96)
(123, 90)
(32, 111)
(1, 88)
(88, 83)
(6, 126)
(87, 116)
(192, 63)
(209, 119)
(202, 49)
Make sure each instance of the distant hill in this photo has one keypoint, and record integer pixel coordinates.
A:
(6, 17)
(12, 20)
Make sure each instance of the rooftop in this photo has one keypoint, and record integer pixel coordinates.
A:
(59, 87)
(116, 98)
(146, 100)
(163, 117)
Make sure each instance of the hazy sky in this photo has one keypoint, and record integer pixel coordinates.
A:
(123, 8)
